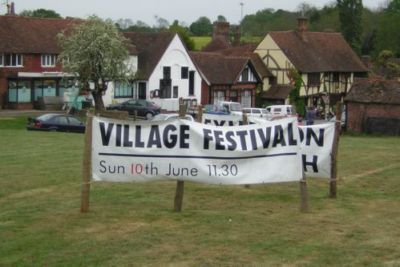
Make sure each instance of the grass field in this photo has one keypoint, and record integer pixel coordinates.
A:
(134, 225)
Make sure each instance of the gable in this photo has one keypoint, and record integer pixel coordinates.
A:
(150, 48)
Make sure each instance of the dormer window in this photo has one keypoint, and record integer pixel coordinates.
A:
(49, 60)
(10, 60)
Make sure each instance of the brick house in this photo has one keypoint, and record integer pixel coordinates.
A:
(28, 60)
(324, 60)
(226, 78)
(373, 106)
(220, 61)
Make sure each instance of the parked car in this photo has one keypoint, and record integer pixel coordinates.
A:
(170, 116)
(214, 109)
(56, 122)
(256, 112)
(143, 107)
(281, 110)
(230, 107)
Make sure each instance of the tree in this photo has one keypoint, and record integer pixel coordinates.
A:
(161, 23)
(388, 36)
(350, 17)
(294, 95)
(221, 18)
(183, 34)
(40, 13)
(201, 27)
(96, 52)
(387, 65)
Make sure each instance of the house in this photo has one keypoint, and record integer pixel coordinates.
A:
(28, 60)
(29, 69)
(230, 54)
(324, 60)
(165, 73)
(373, 106)
(226, 78)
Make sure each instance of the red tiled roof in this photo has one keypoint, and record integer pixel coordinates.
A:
(31, 35)
(248, 50)
(150, 48)
(219, 69)
(216, 44)
(277, 92)
(380, 91)
(318, 51)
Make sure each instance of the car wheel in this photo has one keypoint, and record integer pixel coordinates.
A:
(149, 115)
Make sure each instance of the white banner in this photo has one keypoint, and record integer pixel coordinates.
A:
(182, 150)
(316, 142)
(316, 149)
(230, 120)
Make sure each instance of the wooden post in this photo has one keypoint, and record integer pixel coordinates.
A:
(179, 184)
(335, 148)
(303, 194)
(245, 122)
(87, 163)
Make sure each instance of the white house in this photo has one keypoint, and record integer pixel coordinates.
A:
(165, 72)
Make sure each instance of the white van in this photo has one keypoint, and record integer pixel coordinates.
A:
(256, 112)
(281, 110)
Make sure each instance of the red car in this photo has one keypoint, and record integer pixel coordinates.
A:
(56, 122)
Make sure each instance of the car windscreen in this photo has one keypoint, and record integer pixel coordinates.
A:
(236, 107)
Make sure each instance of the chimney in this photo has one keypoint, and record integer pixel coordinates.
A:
(11, 9)
(221, 29)
(237, 36)
(302, 27)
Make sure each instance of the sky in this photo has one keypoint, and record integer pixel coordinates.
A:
(186, 11)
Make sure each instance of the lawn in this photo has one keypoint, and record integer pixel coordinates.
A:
(134, 225)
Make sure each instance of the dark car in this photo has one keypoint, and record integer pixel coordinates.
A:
(143, 107)
(56, 122)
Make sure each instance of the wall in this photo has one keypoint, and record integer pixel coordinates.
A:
(175, 57)
(31, 63)
(357, 113)
(274, 58)
(108, 98)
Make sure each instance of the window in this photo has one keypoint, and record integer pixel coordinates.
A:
(184, 72)
(60, 120)
(167, 73)
(336, 77)
(123, 90)
(165, 88)
(175, 91)
(233, 96)
(44, 88)
(49, 60)
(218, 96)
(314, 79)
(12, 60)
(246, 98)
(74, 121)
(245, 75)
(19, 91)
(191, 82)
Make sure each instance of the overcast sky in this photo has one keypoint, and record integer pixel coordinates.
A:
(183, 10)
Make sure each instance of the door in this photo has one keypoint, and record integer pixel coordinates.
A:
(142, 90)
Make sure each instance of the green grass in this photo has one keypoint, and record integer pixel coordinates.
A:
(134, 225)
(200, 42)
